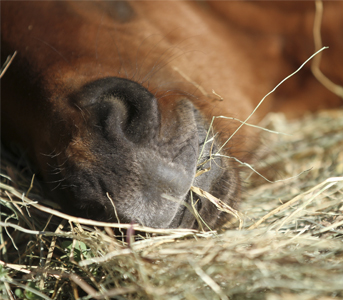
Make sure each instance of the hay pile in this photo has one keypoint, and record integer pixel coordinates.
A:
(290, 246)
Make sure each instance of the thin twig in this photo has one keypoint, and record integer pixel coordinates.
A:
(334, 88)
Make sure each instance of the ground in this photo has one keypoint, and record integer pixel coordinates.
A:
(287, 245)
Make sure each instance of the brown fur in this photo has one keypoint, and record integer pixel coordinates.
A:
(94, 136)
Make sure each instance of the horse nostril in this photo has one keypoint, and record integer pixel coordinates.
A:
(121, 104)
(141, 149)
(96, 211)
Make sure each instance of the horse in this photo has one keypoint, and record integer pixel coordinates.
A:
(114, 102)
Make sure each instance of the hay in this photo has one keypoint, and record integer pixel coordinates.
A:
(289, 247)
